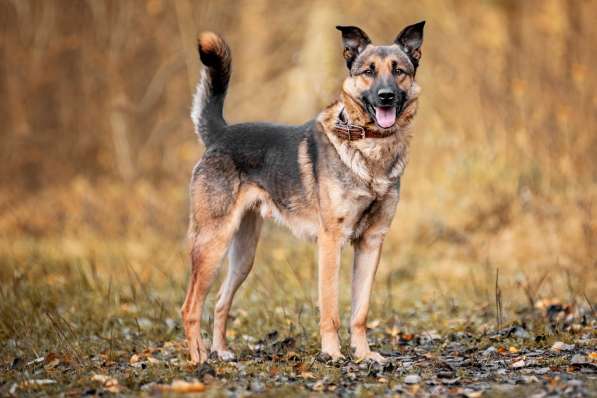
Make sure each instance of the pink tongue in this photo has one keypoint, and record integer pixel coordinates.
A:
(386, 116)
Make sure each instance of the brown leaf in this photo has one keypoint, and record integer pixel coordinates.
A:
(407, 336)
(373, 324)
(182, 387)
(134, 359)
(109, 383)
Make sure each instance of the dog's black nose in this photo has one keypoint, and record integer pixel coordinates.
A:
(386, 95)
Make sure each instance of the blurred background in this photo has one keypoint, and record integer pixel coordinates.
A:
(97, 145)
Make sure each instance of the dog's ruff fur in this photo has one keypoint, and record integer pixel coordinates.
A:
(321, 186)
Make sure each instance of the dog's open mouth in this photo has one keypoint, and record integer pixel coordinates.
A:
(385, 116)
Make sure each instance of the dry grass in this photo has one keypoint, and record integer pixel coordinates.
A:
(99, 147)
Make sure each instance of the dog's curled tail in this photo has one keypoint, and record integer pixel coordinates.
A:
(208, 102)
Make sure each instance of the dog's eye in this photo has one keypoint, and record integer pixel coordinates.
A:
(398, 72)
(368, 72)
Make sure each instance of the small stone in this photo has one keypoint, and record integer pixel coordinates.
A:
(519, 364)
(412, 379)
(144, 323)
(489, 351)
(257, 386)
(578, 359)
(561, 346)
(318, 386)
(521, 333)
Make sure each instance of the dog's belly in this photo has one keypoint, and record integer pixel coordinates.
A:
(303, 219)
(303, 223)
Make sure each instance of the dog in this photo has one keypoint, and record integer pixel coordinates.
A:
(335, 179)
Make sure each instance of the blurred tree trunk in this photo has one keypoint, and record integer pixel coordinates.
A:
(188, 35)
(118, 102)
(255, 39)
(309, 85)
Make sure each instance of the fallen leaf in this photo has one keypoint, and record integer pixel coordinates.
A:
(513, 349)
(393, 331)
(134, 359)
(109, 383)
(182, 387)
(592, 356)
(112, 386)
(373, 324)
(52, 364)
(101, 378)
(407, 336)
(307, 375)
(153, 360)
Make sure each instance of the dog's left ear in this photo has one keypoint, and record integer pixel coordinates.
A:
(410, 41)
(354, 41)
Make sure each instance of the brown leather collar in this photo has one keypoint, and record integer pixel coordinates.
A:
(351, 132)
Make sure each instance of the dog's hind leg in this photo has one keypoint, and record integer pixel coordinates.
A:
(240, 262)
(217, 205)
(207, 251)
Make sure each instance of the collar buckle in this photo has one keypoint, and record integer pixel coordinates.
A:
(359, 129)
(350, 129)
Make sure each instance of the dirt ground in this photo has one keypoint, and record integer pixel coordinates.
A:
(89, 318)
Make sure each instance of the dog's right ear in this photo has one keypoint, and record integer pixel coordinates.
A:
(354, 40)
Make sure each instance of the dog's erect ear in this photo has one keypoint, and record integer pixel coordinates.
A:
(354, 40)
(410, 41)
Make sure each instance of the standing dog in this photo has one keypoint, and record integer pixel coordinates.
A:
(334, 179)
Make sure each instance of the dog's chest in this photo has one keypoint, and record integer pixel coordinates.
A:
(377, 164)
(349, 204)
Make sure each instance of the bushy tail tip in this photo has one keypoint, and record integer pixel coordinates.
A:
(208, 102)
(213, 50)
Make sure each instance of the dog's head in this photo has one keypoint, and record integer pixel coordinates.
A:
(381, 78)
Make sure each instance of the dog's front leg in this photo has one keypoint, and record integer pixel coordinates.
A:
(330, 246)
(366, 258)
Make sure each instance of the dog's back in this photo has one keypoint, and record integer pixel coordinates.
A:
(260, 153)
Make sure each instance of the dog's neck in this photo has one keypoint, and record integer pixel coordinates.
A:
(378, 162)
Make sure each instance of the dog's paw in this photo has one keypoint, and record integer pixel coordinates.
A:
(372, 356)
(328, 357)
(225, 355)
(198, 356)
